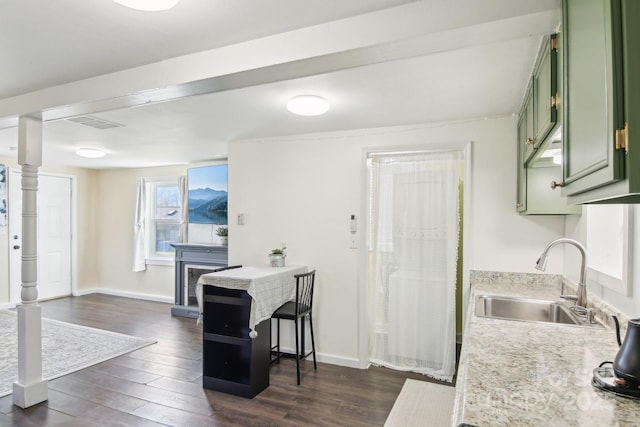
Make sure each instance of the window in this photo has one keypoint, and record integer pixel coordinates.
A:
(609, 230)
(164, 215)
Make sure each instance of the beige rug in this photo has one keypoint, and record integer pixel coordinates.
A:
(421, 403)
(66, 348)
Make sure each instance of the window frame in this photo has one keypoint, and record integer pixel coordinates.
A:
(153, 257)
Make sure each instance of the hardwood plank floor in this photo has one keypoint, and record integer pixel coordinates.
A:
(162, 384)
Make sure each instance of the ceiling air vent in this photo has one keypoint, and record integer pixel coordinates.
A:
(94, 122)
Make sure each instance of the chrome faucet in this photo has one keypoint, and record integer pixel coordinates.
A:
(581, 293)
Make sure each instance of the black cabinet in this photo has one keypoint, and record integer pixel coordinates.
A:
(232, 362)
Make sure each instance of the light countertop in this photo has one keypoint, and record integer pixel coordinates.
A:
(532, 373)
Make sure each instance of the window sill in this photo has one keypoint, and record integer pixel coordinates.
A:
(160, 261)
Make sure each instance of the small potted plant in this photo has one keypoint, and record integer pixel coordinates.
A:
(223, 233)
(276, 257)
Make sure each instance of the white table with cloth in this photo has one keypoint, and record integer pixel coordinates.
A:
(269, 288)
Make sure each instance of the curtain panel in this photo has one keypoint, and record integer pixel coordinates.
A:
(414, 218)
(139, 262)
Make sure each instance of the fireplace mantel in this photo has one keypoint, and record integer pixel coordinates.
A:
(193, 255)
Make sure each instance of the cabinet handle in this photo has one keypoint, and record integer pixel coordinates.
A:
(554, 185)
(622, 138)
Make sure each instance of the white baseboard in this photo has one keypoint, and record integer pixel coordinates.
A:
(85, 292)
(118, 293)
(333, 359)
(330, 359)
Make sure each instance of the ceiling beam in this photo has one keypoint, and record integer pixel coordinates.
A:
(406, 31)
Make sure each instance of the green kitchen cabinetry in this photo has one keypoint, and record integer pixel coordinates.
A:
(526, 126)
(535, 194)
(525, 146)
(539, 137)
(601, 97)
(545, 90)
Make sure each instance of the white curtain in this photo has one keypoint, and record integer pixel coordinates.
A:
(414, 247)
(139, 263)
(184, 210)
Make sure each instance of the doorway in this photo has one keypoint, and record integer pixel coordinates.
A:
(54, 235)
(414, 216)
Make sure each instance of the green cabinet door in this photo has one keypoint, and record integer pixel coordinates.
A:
(593, 94)
(536, 171)
(545, 90)
(527, 141)
(522, 170)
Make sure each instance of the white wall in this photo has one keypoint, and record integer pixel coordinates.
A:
(117, 197)
(104, 238)
(302, 190)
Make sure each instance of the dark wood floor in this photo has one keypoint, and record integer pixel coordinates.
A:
(162, 384)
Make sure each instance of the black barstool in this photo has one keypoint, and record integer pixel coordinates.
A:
(297, 311)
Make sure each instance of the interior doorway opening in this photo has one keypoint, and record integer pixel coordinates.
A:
(415, 259)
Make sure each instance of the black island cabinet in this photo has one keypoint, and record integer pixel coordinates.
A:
(232, 361)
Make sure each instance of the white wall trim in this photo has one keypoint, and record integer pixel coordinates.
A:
(7, 306)
(125, 294)
(331, 359)
(467, 228)
(348, 362)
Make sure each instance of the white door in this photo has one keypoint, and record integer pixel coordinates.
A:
(54, 235)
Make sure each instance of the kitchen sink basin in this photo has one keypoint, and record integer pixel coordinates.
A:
(527, 309)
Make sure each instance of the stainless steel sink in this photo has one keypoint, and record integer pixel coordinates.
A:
(527, 309)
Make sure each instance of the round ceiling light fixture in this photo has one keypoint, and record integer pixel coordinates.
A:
(308, 105)
(148, 5)
(90, 153)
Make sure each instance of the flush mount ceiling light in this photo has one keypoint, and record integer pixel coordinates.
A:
(91, 153)
(148, 5)
(308, 105)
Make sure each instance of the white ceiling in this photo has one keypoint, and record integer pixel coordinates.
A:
(481, 71)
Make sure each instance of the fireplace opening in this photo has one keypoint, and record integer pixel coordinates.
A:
(191, 275)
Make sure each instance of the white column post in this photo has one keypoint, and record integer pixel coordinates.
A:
(30, 389)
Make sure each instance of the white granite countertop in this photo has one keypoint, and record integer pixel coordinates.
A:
(514, 373)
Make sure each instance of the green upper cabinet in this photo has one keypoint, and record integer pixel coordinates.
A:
(545, 92)
(538, 138)
(526, 129)
(601, 88)
(525, 146)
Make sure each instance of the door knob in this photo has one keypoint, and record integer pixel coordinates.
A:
(16, 247)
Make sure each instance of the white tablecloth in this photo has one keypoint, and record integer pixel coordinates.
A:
(269, 288)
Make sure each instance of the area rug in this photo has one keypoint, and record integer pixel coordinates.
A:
(421, 403)
(66, 348)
